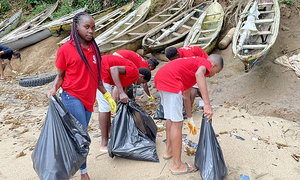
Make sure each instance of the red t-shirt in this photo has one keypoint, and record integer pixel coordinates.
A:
(133, 57)
(179, 74)
(190, 51)
(108, 61)
(78, 81)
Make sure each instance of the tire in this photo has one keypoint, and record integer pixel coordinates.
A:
(37, 80)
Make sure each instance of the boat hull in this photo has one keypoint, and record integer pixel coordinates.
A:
(15, 20)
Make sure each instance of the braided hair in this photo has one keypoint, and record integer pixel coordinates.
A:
(74, 36)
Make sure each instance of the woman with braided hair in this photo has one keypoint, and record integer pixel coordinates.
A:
(79, 63)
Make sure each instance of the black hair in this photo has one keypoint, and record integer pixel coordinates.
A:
(171, 52)
(217, 59)
(146, 72)
(17, 54)
(74, 36)
(153, 61)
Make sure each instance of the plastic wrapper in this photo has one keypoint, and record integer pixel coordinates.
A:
(132, 134)
(63, 144)
(159, 113)
(209, 157)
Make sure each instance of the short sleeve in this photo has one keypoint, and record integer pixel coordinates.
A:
(60, 62)
(7, 51)
(206, 63)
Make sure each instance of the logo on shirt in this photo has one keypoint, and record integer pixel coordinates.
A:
(95, 61)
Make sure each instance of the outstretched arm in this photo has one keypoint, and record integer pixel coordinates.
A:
(201, 82)
(115, 72)
(57, 82)
(9, 65)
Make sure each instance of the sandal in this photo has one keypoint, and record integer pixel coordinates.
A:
(190, 169)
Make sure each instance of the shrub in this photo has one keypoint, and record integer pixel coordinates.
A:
(290, 2)
(4, 6)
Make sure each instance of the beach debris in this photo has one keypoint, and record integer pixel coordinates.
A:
(24, 131)
(239, 137)
(184, 136)
(274, 164)
(244, 177)
(97, 135)
(264, 140)
(269, 123)
(190, 151)
(255, 129)
(254, 139)
(190, 143)
(160, 127)
(159, 134)
(296, 157)
(165, 140)
(219, 90)
(279, 145)
(21, 154)
(223, 132)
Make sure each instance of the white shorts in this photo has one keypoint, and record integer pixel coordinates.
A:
(172, 104)
(103, 105)
(195, 86)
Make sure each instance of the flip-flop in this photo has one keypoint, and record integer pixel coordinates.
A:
(167, 158)
(103, 150)
(190, 169)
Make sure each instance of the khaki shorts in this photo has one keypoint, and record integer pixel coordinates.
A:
(103, 105)
(172, 104)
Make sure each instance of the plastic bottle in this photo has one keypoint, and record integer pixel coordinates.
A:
(227, 39)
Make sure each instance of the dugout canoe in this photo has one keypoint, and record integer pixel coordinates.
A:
(129, 21)
(257, 46)
(206, 30)
(11, 23)
(173, 31)
(132, 39)
(62, 25)
(106, 21)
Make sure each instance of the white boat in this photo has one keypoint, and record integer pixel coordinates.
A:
(11, 23)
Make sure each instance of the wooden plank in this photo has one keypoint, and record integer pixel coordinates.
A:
(151, 40)
(165, 15)
(135, 34)
(204, 38)
(262, 4)
(208, 30)
(198, 10)
(254, 46)
(213, 14)
(193, 18)
(115, 42)
(264, 21)
(264, 33)
(128, 24)
(174, 9)
(266, 12)
(153, 22)
(207, 22)
(187, 27)
(174, 33)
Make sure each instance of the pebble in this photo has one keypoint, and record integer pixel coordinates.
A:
(152, 79)
(220, 77)
(157, 95)
(97, 135)
(139, 92)
(219, 90)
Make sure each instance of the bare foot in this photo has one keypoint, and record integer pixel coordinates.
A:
(85, 176)
(168, 155)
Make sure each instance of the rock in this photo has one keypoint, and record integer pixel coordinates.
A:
(285, 28)
(219, 90)
(149, 85)
(160, 56)
(149, 55)
(140, 52)
(152, 78)
(139, 92)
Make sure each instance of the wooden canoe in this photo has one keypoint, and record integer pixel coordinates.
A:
(106, 21)
(166, 34)
(10, 23)
(205, 31)
(62, 25)
(131, 20)
(132, 39)
(257, 46)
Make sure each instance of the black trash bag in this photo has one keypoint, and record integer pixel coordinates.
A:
(159, 113)
(209, 157)
(63, 144)
(132, 134)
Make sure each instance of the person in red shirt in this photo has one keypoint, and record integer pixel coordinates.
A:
(79, 63)
(174, 80)
(139, 62)
(186, 51)
(121, 73)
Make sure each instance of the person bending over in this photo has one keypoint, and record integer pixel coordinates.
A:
(6, 54)
(174, 80)
(121, 73)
